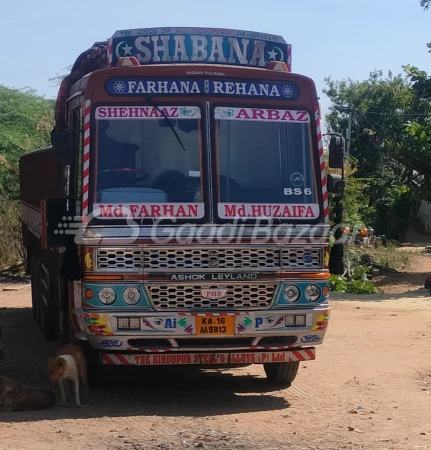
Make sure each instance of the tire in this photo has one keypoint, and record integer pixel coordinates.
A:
(281, 373)
(35, 287)
(94, 368)
(64, 336)
(44, 312)
(44, 322)
(63, 333)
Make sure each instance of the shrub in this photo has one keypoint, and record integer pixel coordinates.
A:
(391, 257)
(355, 279)
(358, 283)
(11, 248)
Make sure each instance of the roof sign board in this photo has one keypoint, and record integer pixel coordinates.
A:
(144, 86)
(199, 45)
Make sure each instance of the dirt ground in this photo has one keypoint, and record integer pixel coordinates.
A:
(369, 388)
(411, 280)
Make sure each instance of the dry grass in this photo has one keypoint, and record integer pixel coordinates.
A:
(11, 249)
(391, 256)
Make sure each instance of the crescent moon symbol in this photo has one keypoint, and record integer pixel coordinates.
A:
(117, 54)
(281, 53)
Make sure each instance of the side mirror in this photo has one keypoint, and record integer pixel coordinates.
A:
(62, 143)
(335, 184)
(55, 222)
(336, 152)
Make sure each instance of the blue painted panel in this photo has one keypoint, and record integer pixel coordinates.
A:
(119, 302)
(199, 46)
(139, 86)
(282, 302)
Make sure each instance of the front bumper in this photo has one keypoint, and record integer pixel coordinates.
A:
(208, 359)
(187, 332)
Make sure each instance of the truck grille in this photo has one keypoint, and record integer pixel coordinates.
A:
(179, 297)
(159, 259)
(119, 258)
(301, 258)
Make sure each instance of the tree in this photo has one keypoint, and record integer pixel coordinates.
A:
(58, 78)
(425, 4)
(382, 149)
(26, 121)
(357, 209)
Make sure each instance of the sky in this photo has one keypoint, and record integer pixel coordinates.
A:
(330, 38)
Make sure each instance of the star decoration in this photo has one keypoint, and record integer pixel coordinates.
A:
(272, 54)
(127, 50)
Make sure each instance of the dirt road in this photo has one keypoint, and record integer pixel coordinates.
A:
(369, 388)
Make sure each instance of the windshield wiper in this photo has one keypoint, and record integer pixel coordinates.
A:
(151, 102)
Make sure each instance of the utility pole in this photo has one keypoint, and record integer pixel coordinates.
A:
(349, 132)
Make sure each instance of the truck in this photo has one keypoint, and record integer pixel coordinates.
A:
(180, 215)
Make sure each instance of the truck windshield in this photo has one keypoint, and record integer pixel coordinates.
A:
(265, 164)
(142, 163)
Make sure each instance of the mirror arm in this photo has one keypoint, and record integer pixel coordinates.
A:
(62, 144)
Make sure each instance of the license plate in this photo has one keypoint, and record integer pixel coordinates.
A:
(215, 326)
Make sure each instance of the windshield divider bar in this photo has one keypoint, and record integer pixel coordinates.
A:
(209, 166)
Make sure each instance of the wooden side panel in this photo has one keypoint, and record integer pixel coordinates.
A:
(39, 177)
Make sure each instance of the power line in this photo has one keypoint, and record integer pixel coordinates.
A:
(383, 113)
(396, 114)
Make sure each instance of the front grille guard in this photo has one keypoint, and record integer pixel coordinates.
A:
(177, 297)
(132, 259)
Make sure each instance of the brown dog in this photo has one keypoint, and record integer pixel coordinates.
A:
(68, 365)
(18, 397)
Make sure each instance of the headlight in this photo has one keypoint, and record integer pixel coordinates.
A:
(291, 293)
(131, 295)
(313, 292)
(107, 295)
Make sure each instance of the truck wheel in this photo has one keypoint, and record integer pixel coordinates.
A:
(44, 312)
(45, 322)
(35, 287)
(63, 334)
(94, 368)
(281, 373)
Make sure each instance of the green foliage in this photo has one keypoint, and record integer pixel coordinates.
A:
(395, 207)
(412, 146)
(390, 151)
(352, 260)
(26, 121)
(357, 210)
(355, 279)
(338, 283)
(425, 4)
(358, 283)
(392, 257)
(374, 102)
